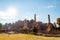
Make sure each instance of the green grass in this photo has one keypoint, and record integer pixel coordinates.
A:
(25, 37)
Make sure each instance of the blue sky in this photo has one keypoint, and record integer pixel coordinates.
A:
(14, 10)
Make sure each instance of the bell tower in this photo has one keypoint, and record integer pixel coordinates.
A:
(35, 17)
(48, 19)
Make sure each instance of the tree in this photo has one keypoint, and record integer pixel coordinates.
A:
(58, 21)
(0, 25)
(35, 30)
(31, 23)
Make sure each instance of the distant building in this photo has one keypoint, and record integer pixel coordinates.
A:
(25, 24)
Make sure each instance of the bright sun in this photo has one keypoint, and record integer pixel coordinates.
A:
(9, 13)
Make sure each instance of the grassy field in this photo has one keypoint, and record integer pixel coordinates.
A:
(25, 37)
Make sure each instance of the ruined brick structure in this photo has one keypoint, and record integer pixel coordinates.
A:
(49, 28)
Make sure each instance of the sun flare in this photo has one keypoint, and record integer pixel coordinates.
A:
(9, 13)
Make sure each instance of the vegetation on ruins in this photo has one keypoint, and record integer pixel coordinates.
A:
(0, 25)
(58, 21)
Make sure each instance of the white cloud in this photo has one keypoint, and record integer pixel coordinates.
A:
(9, 13)
(50, 6)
